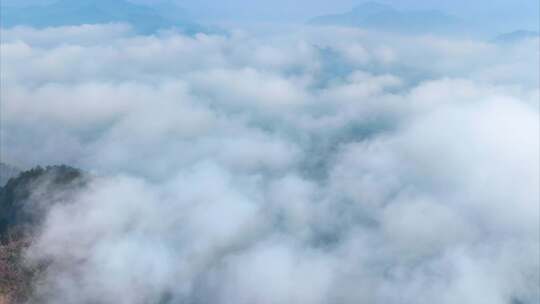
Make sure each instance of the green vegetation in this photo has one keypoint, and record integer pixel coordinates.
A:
(24, 201)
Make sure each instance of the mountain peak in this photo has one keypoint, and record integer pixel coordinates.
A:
(372, 7)
(380, 16)
(144, 19)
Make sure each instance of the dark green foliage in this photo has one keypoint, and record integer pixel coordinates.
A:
(24, 202)
(7, 172)
(25, 199)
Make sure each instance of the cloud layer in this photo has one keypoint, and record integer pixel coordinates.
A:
(319, 166)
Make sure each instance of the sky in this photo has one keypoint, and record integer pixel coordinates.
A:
(519, 13)
(316, 165)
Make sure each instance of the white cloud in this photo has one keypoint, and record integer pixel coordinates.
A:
(322, 166)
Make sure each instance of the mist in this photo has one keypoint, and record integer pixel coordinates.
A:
(322, 164)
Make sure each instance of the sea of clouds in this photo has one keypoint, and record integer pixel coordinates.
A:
(313, 166)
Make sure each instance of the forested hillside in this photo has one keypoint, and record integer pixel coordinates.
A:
(24, 201)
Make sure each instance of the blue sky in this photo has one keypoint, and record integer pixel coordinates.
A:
(521, 12)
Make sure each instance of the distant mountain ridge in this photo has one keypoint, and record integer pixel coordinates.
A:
(144, 19)
(516, 36)
(385, 17)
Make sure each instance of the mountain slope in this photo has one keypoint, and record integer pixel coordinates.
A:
(385, 17)
(516, 36)
(24, 201)
(68, 12)
(7, 172)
